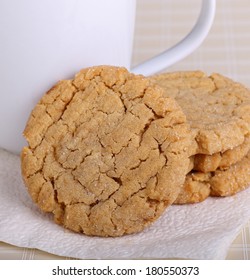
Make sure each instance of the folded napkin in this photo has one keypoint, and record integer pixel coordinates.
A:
(199, 231)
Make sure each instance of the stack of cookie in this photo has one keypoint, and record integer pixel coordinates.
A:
(218, 110)
(109, 151)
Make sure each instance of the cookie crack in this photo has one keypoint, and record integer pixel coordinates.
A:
(145, 130)
(157, 116)
(54, 122)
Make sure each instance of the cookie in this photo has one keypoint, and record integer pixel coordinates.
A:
(216, 107)
(209, 163)
(107, 153)
(232, 180)
(195, 189)
(198, 186)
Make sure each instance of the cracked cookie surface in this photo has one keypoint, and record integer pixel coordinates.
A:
(107, 153)
(217, 108)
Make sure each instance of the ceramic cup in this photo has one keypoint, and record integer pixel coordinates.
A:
(43, 41)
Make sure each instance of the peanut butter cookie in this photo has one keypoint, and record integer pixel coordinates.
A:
(209, 163)
(217, 108)
(198, 186)
(107, 153)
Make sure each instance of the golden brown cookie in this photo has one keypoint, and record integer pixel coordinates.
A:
(217, 108)
(195, 189)
(209, 163)
(198, 186)
(231, 180)
(107, 152)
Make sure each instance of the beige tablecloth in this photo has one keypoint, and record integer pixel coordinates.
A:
(159, 25)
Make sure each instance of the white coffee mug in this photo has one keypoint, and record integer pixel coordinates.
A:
(43, 41)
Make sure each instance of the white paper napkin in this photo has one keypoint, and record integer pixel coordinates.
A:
(200, 231)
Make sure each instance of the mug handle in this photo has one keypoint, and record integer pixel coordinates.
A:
(185, 46)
